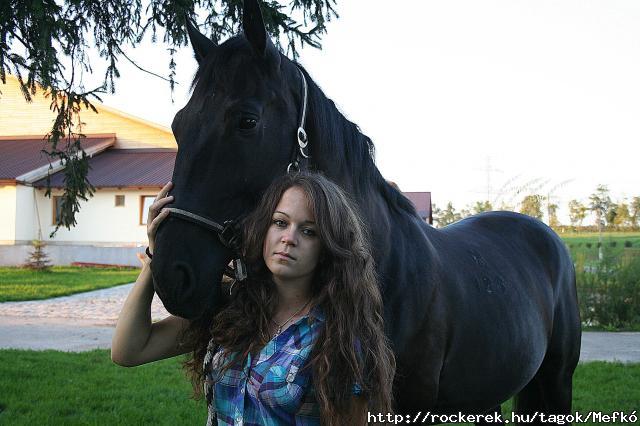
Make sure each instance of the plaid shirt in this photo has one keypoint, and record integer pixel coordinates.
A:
(274, 388)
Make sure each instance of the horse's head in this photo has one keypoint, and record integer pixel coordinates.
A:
(235, 135)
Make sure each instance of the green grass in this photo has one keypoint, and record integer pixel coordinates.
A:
(87, 388)
(25, 284)
(613, 243)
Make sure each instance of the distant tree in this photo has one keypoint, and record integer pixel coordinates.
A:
(482, 206)
(532, 206)
(599, 204)
(577, 212)
(465, 212)
(635, 211)
(446, 216)
(504, 206)
(611, 215)
(623, 217)
(552, 209)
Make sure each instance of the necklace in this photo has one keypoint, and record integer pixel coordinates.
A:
(281, 326)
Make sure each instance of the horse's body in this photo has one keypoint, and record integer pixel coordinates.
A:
(477, 312)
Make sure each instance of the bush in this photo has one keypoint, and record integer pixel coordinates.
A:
(588, 245)
(609, 291)
(613, 243)
(628, 244)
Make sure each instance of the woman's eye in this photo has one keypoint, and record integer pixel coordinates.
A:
(279, 223)
(309, 232)
(247, 123)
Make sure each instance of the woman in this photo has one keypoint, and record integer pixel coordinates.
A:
(301, 340)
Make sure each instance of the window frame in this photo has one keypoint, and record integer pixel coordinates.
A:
(55, 199)
(142, 198)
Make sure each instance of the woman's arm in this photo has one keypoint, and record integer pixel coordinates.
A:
(137, 340)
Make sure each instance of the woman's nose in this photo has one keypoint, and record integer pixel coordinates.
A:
(288, 237)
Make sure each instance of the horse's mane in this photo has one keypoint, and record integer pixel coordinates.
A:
(339, 135)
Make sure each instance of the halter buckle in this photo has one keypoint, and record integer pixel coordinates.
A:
(230, 236)
(302, 138)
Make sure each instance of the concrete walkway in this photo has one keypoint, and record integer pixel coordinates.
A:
(79, 322)
(85, 321)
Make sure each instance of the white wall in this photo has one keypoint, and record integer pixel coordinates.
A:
(26, 218)
(99, 221)
(7, 214)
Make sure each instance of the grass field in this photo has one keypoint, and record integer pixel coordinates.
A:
(25, 284)
(613, 243)
(87, 388)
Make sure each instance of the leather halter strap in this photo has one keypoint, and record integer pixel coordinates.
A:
(300, 158)
(228, 232)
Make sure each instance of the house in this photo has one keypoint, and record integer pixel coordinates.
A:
(130, 160)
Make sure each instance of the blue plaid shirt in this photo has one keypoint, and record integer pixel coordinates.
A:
(273, 388)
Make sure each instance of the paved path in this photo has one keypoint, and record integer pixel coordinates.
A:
(85, 321)
(79, 322)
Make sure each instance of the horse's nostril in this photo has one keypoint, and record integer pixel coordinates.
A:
(185, 281)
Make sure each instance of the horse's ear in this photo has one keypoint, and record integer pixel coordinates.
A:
(253, 26)
(201, 44)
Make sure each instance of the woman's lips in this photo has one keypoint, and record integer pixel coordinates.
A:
(283, 255)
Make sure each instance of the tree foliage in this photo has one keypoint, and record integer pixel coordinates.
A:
(482, 206)
(47, 44)
(552, 211)
(447, 216)
(531, 205)
(577, 212)
(623, 217)
(635, 211)
(599, 204)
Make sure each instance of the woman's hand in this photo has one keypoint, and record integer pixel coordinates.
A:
(157, 214)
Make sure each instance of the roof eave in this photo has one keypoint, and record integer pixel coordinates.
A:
(54, 167)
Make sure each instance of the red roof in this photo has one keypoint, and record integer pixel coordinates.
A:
(23, 154)
(422, 201)
(116, 168)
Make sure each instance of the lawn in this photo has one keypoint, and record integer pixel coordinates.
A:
(25, 284)
(613, 243)
(86, 388)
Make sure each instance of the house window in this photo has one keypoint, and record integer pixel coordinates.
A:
(119, 200)
(57, 208)
(145, 203)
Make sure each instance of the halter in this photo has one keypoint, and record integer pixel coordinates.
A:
(229, 231)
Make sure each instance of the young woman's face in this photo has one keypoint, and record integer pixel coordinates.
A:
(292, 245)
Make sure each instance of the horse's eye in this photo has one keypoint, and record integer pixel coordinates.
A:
(247, 123)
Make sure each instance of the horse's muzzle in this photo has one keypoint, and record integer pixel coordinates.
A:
(187, 277)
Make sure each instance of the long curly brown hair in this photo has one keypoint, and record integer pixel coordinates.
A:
(345, 286)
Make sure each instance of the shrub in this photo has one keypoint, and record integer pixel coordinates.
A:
(628, 244)
(613, 243)
(588, 245)
(38, 259)
(609, 291)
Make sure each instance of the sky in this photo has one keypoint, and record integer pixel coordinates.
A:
(468, 99)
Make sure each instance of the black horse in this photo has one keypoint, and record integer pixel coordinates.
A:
(477, 312)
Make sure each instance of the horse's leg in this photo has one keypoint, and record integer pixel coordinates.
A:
(494, 413)
(550, 390)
